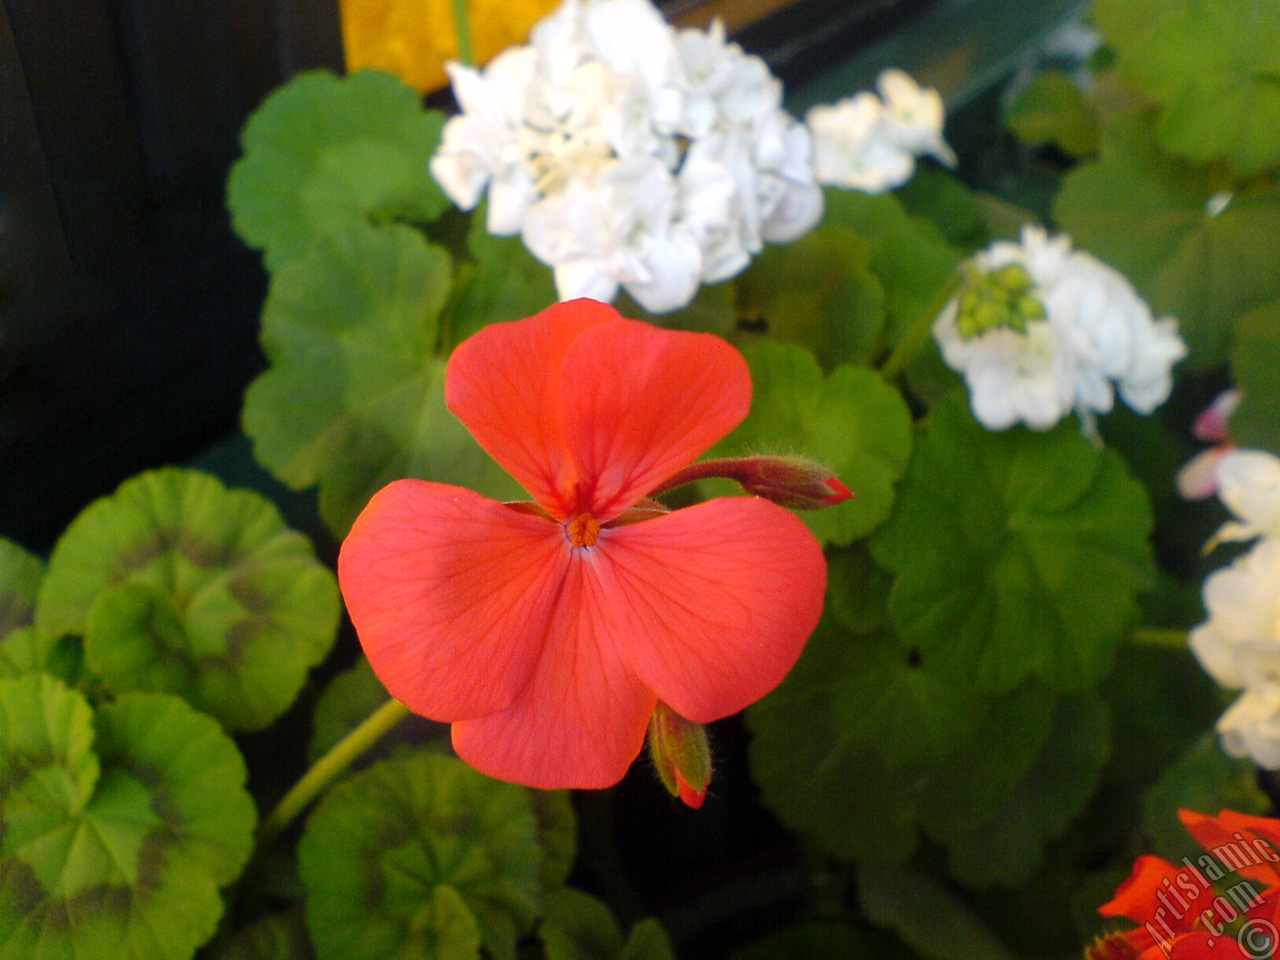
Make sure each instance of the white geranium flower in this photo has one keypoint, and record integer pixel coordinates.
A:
(913, 116)
(870, 144)
(1249, 484)
(1040, 329)
(1239, 645)
(628, 155)
(1251, 727)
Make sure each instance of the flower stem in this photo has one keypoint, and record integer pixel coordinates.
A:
(906, 349)
(462, 27)
(1159, 637)
(329, 767)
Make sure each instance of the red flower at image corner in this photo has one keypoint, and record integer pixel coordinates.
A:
(1224, 906)
(547, 633)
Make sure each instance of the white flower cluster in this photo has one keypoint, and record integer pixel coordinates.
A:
(628, 154)
(870, 143)
(1040, 329)
(1239, 645)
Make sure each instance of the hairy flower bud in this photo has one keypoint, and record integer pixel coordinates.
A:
(680, 755)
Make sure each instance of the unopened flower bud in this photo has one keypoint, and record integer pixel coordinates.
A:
(1002, 298)
(680, 755)
(796, 483)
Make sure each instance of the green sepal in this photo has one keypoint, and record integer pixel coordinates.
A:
(851, 421)
(180, 585)
(1016, 554)
(118, 826)
(322, 152)
(421, 857)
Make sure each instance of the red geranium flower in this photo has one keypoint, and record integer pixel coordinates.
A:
(1223, 907)
(546, 634)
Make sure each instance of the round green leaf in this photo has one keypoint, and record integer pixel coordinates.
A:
(859, 744)
(1214, 67)
(1016, 554)
(819, 293)
(355, 395)
(852, 421)
(346, 701)
(114, 847)
(1052, 110)
(577, 926)
(421, 857)
(20, 574)
(1162, 223)
(322, 152)
(180, 585)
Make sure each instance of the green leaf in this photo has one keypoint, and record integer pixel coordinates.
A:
(1009, 847)
(346, 702)
(504, 283)
(355, 395)
(819, 293)
(28, 650)
(859, 743)
(323, 152)
(20, 574)
(421, 857)
(1052, 110)
(956, 211)
(648, 940)
(117, 828)
(577, 926)
(852, 421)
(857, 590)
(908, 254)
(281, 936)
(926, 914)
(1213, 66)
(1255, 368)
(1160, 222)
(1017, 554)
(558, 831)
(1203, 779)
(178, 584)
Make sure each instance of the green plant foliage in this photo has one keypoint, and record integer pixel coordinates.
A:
(421, 857)
(346, 702)
(1162, 223)
(323, 152)
(1052, 110)
(354, 397)
(820, 293)
(119, 825)
(834, 760)
(503, 282)
(1205, 780)
(908, 254)
(281, 936)
(952, 208)
(20, 574)
(1009, 847)
(852, 421)
(1214, 67)
(178, 584)
(1255, 368)
(1017, 554)
(28, 650)
(857, 590)
(577, 926)
(926, 914)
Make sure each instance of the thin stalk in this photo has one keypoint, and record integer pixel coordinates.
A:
(906, 349)
(462, 27)
(329, 767)
(1159, 637)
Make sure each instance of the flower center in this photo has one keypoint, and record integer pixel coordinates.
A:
(583, 530)
(1002, 298)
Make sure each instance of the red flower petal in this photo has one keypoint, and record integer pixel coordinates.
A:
(503, 383)
(1231, 839)
(712, 604)
(589, 411)
(640, 403)
(1138, 898)
(581, 720)
(450, 594)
